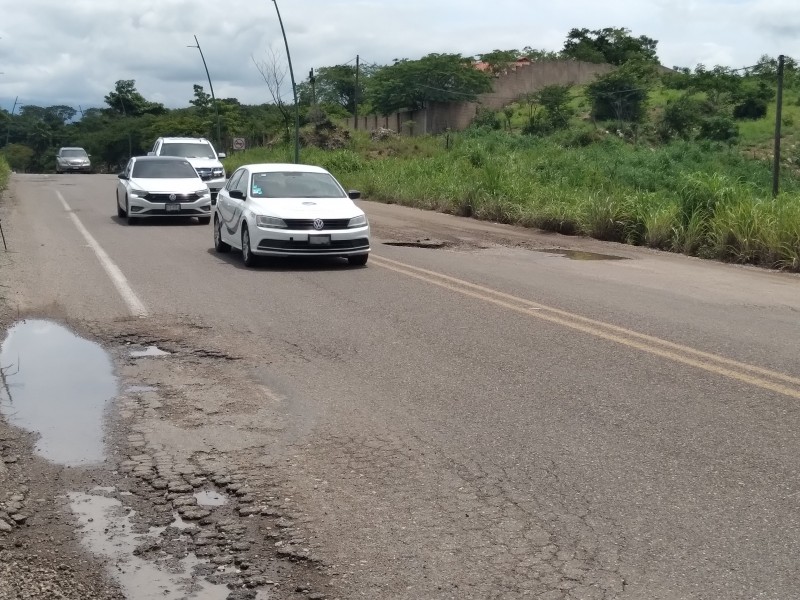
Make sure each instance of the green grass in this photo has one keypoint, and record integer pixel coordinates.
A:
(695, 198)
(5, 173)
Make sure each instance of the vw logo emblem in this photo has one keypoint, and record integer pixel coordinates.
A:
(172, 196)
(319, 224)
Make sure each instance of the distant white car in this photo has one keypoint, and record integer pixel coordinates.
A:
(289, 210)
(152, 186)
(201, 153)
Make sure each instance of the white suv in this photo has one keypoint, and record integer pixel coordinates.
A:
(202, 156)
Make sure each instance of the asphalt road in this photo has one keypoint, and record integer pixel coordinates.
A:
(481, 420)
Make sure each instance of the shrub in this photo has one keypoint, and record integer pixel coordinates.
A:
(719, 129)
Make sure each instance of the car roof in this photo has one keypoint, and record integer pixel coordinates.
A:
(276, 167)
(160, 158)
(183, 139)
(70, 148)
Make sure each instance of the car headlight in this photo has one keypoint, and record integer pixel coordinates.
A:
(358, 221)
(138, 193)
(203, 192)
(217, 173)
(265, 221)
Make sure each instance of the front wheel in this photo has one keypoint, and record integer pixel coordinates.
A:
(120, 212)
(359, 260)
(248, 257)
(219, 245)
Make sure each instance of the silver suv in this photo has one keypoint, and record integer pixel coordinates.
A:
(73, 159)
(202, 156)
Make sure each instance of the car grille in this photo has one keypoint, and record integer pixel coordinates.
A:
(304, 246)
(205, 174)
(166, 198)
(308, 224)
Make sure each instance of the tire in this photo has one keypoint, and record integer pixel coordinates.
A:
(131, 220)
(204, 220)
(247, 253)
(120, 211)
(359, 260)
(219, 245)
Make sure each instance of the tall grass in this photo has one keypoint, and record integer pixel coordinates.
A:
(698, 199)
(5, 173)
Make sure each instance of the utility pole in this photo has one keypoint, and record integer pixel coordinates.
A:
(294, 89)
(355, 93)
(313, 81)
(211, 87)
(127, 126)
(776, 160)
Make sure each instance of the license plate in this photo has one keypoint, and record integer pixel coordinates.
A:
(172, 207)
(319, 240)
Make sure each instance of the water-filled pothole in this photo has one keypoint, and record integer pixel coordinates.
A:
(581, 255)
(108, 532)
(149, 351)
(57, 384)
(211, 498)
(432, 244)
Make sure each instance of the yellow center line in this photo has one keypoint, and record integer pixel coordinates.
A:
(663, 348)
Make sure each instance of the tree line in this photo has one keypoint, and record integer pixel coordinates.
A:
(710, 100)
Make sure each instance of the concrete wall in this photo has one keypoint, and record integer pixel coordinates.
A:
(507, 87)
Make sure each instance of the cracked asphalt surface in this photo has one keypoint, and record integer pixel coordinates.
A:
(466, 417)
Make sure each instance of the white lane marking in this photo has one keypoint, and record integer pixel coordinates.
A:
(130, 298)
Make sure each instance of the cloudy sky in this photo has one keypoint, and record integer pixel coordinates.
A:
(72, 51)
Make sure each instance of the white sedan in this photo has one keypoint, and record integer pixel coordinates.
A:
(161, 186)
(289, 210)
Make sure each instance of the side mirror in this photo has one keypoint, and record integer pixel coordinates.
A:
(221, 155)
(151, 153)
(354, 194)
(122, 176)
(238, 194)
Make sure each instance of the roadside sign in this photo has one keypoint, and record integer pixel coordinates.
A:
(238, 143)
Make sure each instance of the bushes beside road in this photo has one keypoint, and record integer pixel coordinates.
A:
(689, 197)
(5, 173)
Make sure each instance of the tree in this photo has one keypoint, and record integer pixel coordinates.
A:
(613, 45)
(500, 60)
(681, 118)
(535, 54)
(336, 86)
(411, 84)
(126, 100)
(274, 76)
(622, 94)
(554, 100)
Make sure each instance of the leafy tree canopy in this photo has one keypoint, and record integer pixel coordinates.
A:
(126, 100)
(613, 45)
(500, 60)
(412, 84)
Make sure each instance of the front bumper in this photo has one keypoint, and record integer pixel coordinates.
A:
(214, 186)
(75, 168)
(142, 208)
(283, 242)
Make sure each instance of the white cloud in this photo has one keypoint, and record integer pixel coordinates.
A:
(57, 52)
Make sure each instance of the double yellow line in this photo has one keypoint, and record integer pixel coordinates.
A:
(760, 377)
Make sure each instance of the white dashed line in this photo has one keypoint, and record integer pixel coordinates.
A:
(130, 298)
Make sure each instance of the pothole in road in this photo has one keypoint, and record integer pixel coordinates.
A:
(149, 351)
(426, 243)
(108, 532)
(580, 255)
(211, 498)
(56, 384)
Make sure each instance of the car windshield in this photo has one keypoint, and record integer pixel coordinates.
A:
(294, 184)
(163, 169)
(188, 150)
(74, 153)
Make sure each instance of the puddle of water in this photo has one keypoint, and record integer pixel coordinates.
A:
(140, 389)
(580, 255)
(108, 532)
(57, 384)
(149, 351)
(211, 498)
